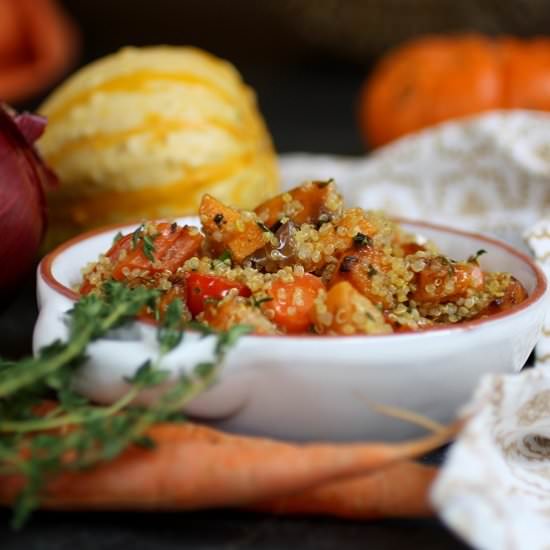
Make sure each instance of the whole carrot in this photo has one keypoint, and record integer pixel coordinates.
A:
(194, 467)
(398, 491)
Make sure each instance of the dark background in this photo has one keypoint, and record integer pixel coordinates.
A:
(306, 60)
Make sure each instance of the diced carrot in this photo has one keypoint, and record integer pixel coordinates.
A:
(291, 305)
(230, 230)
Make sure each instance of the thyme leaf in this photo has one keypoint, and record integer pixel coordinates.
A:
(224, 256)
(257, 302)
(139, 235)
(474, 258)
(33, 441)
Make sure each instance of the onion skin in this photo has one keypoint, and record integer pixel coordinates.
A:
(23, 178)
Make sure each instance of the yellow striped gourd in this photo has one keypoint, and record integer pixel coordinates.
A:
(145, 132)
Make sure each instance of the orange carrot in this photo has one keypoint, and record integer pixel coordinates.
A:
(292, 303)
(401, 490)
(194, 467)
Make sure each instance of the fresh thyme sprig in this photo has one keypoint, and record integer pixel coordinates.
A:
(74, 434)
(90, 318)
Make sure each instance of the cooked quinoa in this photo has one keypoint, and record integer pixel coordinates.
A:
(302, 263)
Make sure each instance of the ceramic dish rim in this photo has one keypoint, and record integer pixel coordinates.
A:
(45, 271)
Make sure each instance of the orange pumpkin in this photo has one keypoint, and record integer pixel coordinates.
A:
(38, 42)
(436, 78)
(525, 73)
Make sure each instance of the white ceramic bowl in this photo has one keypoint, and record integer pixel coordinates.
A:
(312, 387)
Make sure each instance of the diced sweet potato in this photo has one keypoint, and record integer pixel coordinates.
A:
(443, 281)
(236, 310)
(344, 235)
(346, 311)
(363, 267)
(514, 294)
(411, 248)
(312, 202)
(230, 230)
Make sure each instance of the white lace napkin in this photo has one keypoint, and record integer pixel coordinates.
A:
(494, 488)
(491, 174)
(488, 173)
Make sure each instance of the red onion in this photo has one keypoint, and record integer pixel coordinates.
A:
(23, 179)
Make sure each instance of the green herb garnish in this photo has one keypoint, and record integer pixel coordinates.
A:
(474, 258)
(148, 242)
(203, 329)
(263, 227)
(347, 263)
(322, 184)
(29, 444)
(149, 246)
(372, 271)
(136, 236)
(170, 331)
(224, 256)
(360, 240)
(257, 302)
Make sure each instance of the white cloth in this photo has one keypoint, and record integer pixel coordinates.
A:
(489, 173)
(494, 488)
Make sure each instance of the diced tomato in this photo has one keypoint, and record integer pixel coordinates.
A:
(201, 287)
(172, 246)
(292, 303)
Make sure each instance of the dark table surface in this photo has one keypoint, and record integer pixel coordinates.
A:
(309, 102)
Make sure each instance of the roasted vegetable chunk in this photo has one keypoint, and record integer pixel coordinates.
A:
(227, 229)
(236, 310)
(314, 202)
(346, 311)
(442, 280)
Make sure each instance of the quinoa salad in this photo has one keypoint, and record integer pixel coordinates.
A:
(301, 263)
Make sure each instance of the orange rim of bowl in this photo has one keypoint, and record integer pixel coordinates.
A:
(45, 270)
